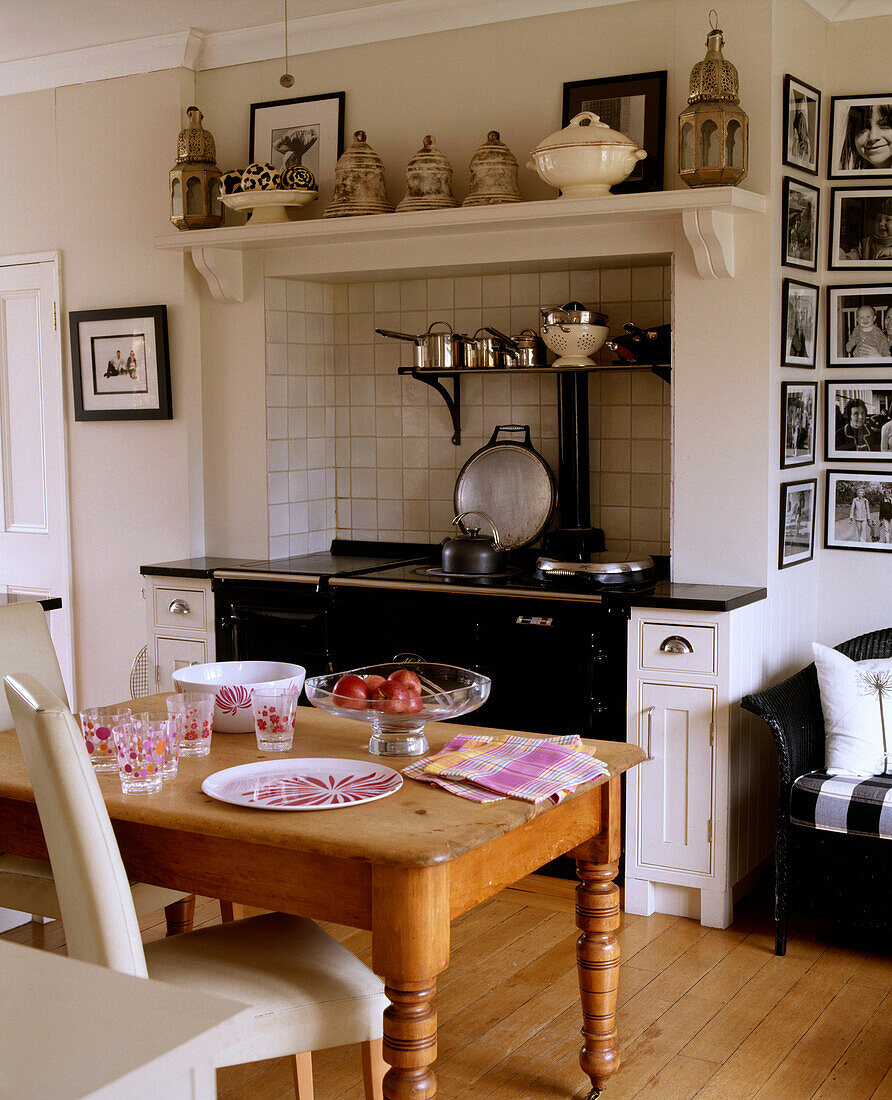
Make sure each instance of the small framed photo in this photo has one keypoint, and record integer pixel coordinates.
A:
(796, 539)
(859, 511)
(636, 106)
(799, 324)
(802, 124)
(861, 228)
(799, 417)
(859, 326)
(858, 420)
(119, 360)
(307, 131)
(801, 206)
(860, 137)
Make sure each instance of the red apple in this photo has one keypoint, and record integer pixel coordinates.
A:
(351, 692)
(391, 697)
(373, 682)
(413, 703)
(407, 678)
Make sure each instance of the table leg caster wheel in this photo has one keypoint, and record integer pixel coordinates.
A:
(594, 1094)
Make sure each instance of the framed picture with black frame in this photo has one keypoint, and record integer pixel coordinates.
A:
(802, 125)
(858, 511)
(796, 537)
(860, 236)
(859, 325)
(799, 324)
(857, 420)
(860, 145)
(801, 205)
(799, 420)
(307, 131)
(635, 105)
(120, 364)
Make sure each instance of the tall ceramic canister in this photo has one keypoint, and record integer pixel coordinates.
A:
(359, 182)
(428, 180)
(493, 174)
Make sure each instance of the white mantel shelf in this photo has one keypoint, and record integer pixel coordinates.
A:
(457, 240)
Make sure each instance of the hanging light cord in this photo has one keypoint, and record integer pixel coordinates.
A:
(286, 79)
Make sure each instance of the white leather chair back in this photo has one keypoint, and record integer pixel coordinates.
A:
(25, 643)
(94, 895)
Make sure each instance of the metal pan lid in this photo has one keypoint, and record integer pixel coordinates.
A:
(511, 482)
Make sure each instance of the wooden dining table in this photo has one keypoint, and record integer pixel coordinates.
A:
(403, 867)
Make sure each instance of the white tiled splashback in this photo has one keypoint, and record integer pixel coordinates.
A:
(355, 450)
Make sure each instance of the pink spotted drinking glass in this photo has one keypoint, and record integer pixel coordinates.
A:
(195, 709)
(165, 727)
(140, 753)
(97, 725)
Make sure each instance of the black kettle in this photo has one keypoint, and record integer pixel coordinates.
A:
(470, 552)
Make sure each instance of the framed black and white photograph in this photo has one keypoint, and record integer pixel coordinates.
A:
(305, 132)
(634, 105)
(859, 511)
(859, 326)
(799, 417)
(796, 538)
(858, 420)
(801, 207)
(120, 365)
(799, 324)
(802, 124)
(860, 228)
(860, 146)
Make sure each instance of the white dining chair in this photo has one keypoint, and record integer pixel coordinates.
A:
(308, 992)
(26, 885)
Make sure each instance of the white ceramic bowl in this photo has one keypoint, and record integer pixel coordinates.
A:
(233, 683)
(586, 170)
(268, 206)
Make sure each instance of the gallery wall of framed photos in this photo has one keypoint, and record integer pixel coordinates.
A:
(848, 420)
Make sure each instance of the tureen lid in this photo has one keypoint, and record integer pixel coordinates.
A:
(586, 128)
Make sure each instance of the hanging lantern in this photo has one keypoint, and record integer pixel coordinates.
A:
(712, 129)
(195, 178)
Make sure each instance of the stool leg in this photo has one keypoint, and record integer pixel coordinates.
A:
(302, 1068)
(231, 910)
(373, 1069)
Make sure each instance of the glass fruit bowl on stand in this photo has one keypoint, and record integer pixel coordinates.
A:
(397, 699)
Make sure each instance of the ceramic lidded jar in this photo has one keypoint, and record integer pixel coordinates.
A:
(428, 180)
(493, 174)
(359, 182)
(585, 158)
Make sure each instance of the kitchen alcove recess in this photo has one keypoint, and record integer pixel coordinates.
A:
(634, 228)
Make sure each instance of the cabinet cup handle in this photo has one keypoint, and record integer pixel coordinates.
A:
(676, 644)
(179, 607)
(650, 721)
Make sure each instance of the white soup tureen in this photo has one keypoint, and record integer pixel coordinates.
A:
(585, 158)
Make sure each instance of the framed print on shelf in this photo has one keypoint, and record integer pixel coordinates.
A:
(307, 131)
(120, 364)
(802, 125)
(801, 207)
(860, 229)
(799, 324)
(859, 326)
(860, 146)
(858, 420)
(799, 418)
(859, 511)
(634, 105)
(796, 538)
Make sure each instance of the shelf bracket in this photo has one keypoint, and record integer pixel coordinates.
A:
(453, 400)
(223, 271)
(710, 234)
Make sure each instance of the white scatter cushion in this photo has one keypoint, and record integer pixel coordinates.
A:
(852, 695)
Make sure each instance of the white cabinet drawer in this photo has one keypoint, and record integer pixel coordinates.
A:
(677, 647)
(180, 608)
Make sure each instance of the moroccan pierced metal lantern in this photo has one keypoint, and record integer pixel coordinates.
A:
(195, 178)
(713, 131)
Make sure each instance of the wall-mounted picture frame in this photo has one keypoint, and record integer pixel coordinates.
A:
(306, 131)
(799, 419)
(796, 537)
(858, 511)
(635, 105)
(859, 326)
(802, 125)
(799, 324)
(860, 229)
(801, 204)
(860, 145)
(120, 364)
(857, 420)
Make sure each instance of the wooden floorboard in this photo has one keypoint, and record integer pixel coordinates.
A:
(703, 1013)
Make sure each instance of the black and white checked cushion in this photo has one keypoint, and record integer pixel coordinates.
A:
(841, 804)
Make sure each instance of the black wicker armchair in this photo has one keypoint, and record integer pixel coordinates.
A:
(840, 876)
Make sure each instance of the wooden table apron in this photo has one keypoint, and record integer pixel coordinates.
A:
(402, 867)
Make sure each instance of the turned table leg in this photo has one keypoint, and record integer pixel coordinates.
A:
(179, 915)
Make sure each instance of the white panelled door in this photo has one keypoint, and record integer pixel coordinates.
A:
(35, 552)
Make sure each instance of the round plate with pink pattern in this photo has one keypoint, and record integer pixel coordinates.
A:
(302, 784)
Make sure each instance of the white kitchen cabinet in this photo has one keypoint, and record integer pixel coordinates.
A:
(180, 626)
(698, 807)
